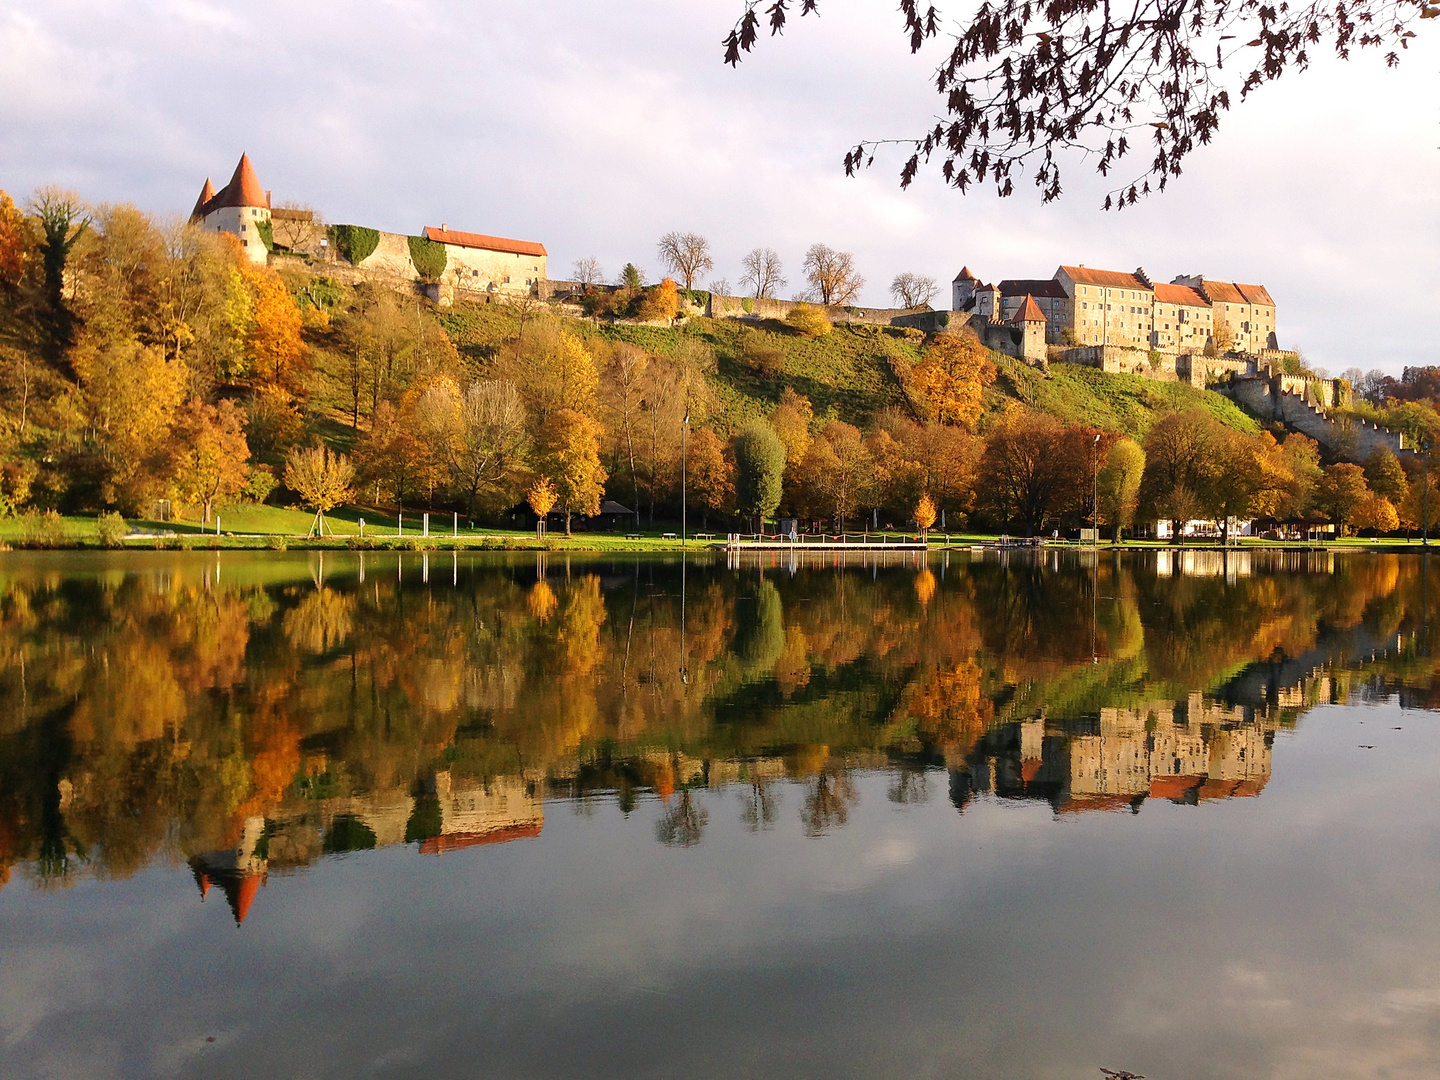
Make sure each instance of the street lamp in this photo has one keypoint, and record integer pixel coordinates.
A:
(1425, 494)
(684, 429)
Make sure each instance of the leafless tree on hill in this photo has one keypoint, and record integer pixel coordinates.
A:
(587, 271)
(1025, 82)
(832, 275)
(293, 224)
(687, 255)
(764, 276)
(913, 290)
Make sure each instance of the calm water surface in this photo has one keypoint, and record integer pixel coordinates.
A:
(273, 815)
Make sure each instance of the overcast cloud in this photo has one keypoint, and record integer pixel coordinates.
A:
(595, 128)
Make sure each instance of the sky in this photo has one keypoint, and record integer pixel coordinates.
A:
(597, 128)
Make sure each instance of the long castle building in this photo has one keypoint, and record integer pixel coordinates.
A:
(1102, 308)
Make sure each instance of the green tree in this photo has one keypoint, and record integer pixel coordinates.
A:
(1384, 475)
(1118, 485)
(759, 471)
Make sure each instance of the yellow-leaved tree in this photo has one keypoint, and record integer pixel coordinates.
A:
(321, 479)
(570, 454)
(542, 499)
(925, 514)
(953, 371)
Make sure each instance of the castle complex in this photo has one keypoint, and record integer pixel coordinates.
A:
(471, 262)
(1104, 308)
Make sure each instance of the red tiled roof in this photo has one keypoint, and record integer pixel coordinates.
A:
(1223, 292)
(1112, 279)
(1047, 287)
(439, 845)
(1179, 294)
(965, 275)
(206, 194)
(1256, 294)
(1029, 312)
(486, 243)
(243, 189)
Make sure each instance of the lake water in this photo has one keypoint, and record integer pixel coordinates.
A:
(285, 815)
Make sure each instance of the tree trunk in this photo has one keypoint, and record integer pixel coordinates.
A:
(567, 520)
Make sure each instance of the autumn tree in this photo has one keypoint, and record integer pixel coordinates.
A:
(759, 471)
(553, 370)
(1377, 513)
(710, 475)
(1031, 474)
(833, 279)
(763, 276)
(925, 513)
(1342, 492)
(570, 459)
(1384, 475)
(1021, 85)
(321, 479)
(1118, 485)
(809, 321)
(687, 255)
(838, 470)
(212, 455)
(1420, 509)
(791, 420)
(274, 345)
(542, 498)
(952, 374)
(62, 219)
(391, 459)
(480, 436)
(660, 303)
(1180, 457)
(913, 290)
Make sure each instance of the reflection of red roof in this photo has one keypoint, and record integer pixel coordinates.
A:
(1248, 789)
(1029, 312)
(1114, 279)
(1173, 787)
(243, 189)
(244, 896)
(1030, 768)
(1080, 803)
(1218, 789)
(204, 882)
(439, 845)
(480, 240)
(1183, 295)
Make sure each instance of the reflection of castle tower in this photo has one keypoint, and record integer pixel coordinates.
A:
(239, 872)
(499, 810)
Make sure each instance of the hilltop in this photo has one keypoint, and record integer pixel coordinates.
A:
(855, 371)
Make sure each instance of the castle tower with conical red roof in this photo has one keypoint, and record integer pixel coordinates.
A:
(241, 208)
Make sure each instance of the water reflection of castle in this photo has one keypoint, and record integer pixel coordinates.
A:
(1186, 752)
(441, 819)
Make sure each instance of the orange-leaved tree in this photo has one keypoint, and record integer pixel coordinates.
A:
(542, 498)
(953, 372)
(211, 465)
(925, 513)
(273, 342)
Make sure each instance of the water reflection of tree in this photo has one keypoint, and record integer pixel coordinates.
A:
(682, 822)
(761, 804)
(828, 799)
(908, 786)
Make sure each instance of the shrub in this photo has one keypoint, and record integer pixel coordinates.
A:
(355, 242)
(428, 256)
(276, 543)
(748, 304)
(110, 529)
(267, 234)
(660, 302)
(42, 530)
(762, 354)
(809, 321)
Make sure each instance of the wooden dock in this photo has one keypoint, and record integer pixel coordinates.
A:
(823, 545)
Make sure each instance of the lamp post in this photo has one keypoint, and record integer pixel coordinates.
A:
(1425, 494)
(684, 478)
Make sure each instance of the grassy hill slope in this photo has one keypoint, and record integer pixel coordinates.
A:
(850, 374)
